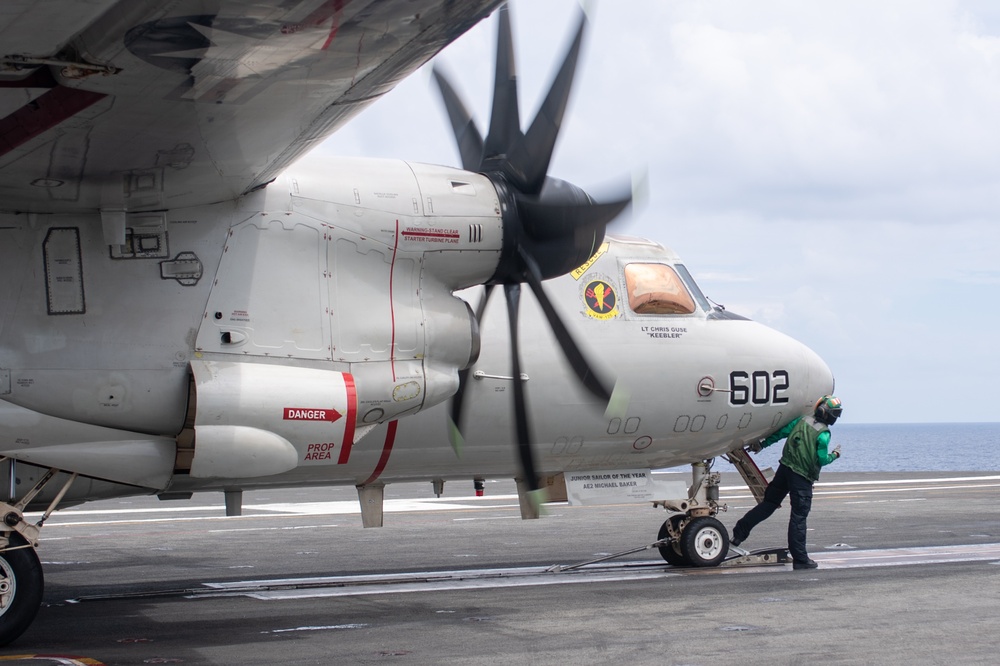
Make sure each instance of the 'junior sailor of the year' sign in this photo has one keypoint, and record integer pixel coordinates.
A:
(622, 486)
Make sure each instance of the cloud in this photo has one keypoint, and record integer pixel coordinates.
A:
(828, 168)
(804, 108)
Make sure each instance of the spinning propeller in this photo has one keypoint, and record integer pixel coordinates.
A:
(550, 226)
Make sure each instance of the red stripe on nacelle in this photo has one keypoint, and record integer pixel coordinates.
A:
(390, 439)
(352, 417)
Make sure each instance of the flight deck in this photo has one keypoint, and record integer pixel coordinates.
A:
(908, 574)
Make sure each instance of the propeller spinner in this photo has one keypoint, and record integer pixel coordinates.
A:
(550, 226)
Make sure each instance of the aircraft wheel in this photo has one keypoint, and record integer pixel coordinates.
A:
(21, 584)
(671, 552)
(704, 542)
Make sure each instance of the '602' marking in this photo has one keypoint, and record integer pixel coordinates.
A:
(758, 387)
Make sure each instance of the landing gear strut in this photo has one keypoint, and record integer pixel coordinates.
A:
(21, 585)
(692, 536)
(21, 580)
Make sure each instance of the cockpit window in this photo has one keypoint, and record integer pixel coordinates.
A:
(656, 289)
(693, 287)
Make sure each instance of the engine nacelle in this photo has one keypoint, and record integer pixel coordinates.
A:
(353, 268)
(259, 420)
(450, 218)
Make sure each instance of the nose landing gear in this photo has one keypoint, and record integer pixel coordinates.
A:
(692, 536)
(693, 542)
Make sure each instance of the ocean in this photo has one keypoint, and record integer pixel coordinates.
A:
(904, 447)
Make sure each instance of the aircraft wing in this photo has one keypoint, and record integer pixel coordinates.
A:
(121, 105)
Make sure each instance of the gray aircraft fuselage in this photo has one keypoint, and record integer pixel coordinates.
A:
(308, 334)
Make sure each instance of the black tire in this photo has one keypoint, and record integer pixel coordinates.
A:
(671, 552)
(705, 542)
(21, 570)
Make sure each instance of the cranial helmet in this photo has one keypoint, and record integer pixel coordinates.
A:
(828, 409)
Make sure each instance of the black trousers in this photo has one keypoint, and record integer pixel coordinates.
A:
(785, 483)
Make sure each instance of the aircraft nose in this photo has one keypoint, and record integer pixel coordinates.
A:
(807, 376)
(819, 376)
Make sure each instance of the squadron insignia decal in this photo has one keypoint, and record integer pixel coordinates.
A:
(600, 298)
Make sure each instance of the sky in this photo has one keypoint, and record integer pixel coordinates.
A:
(830, 169)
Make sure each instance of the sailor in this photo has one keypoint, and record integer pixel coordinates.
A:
(804, 453)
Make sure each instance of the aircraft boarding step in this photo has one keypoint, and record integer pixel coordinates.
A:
(754, 478)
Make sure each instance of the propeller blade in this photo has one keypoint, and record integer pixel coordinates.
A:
(570, 349)
(455, 435)
(481, 308)
(505, 121)
(524, 450)
(467, 136)
(556, 228)
(533, 153)
(457, 401)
